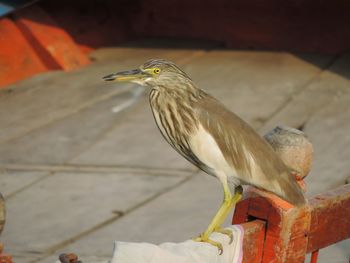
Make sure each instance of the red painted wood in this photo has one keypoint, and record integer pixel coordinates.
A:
(241, 212)
(34, 43)
(52, 44)
(253, 241)
(18, 60)
(314, 256)
(291, 232)
(330, 213)
(285, 238)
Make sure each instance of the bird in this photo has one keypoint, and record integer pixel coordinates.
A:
(201, 129)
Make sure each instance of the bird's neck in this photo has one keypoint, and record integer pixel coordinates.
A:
(183, 91)
(176, 106)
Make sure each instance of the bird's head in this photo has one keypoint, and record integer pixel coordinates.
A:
(154, 72)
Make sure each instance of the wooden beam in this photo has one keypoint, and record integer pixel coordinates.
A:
(291, 232)
(285, 238)
(18, 59)
(53, 45)
(330, 218)
(253, 241)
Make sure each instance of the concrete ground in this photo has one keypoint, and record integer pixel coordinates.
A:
(77, 176)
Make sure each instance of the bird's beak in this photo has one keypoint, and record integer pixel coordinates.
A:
(129, 76)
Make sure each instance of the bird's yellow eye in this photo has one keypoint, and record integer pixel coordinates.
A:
(156, 71)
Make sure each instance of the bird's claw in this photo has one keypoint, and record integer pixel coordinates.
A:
(225, 232)
(203, 238)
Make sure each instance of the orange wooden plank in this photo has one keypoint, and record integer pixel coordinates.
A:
(314, 257)
(253, 241)
(52, 44)
(330, 218)
(285, 239)
(240, 215)
(291, 232)
(17, 58)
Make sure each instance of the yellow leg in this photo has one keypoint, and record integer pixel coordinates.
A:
(237, 196)
(219, 218)
(234, 200)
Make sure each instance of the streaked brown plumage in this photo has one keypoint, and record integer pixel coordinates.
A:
(211, 137)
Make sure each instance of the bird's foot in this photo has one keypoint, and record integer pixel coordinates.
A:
(205, 238)
(225, 232)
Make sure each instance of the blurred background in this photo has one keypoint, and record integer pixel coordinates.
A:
(81, 161)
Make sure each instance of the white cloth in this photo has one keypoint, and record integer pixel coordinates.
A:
(185, 252)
